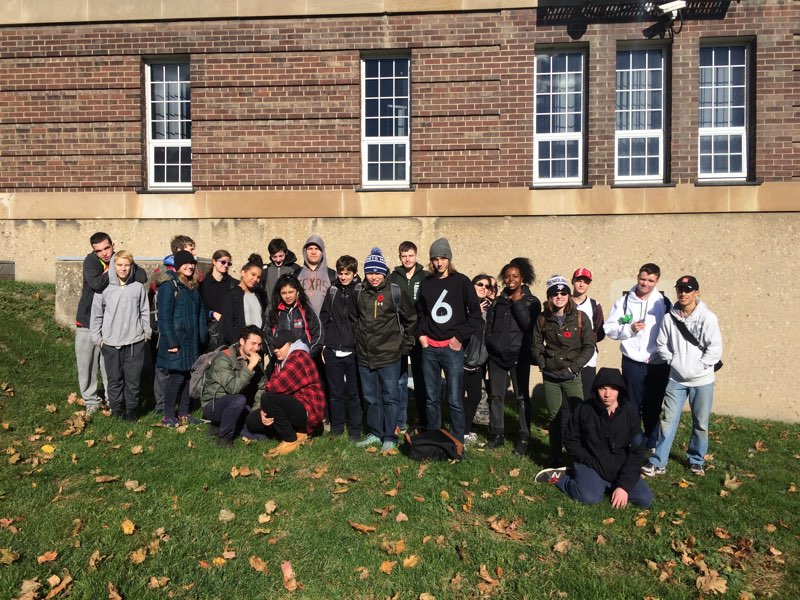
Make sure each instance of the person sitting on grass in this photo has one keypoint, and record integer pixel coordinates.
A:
(607, 447)
(293, 403)
(234, 381)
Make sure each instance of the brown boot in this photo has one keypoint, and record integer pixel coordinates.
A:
(302, 437)
(286, 447)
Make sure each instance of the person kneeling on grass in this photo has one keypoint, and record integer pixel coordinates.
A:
(607, 447)
(293, 402)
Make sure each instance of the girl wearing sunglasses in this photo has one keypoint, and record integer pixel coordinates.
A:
(563, 342)
(215, 284)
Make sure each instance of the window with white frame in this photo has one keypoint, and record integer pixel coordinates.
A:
(385, 122)
(169, 125)
(559, 118)
(639, 135)
(723, 112)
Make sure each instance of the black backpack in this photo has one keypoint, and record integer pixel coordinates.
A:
(437, 444)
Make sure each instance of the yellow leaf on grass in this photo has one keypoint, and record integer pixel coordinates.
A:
(48, 556)
(134, 486)
(113, 593)
(7, 556)
(393, 548)
(770, 528)
(792, 488)
(387, 566)
(444, 495)
(218, 561)
(411, 561)
(48, 449)
(137, 556)
(51, 408)
(514, 472)
(426, 596)
(259, 564)
(641, 522)
(128, 527)
(392, 492)
(600, 540)
(270, 506)
(89, 443)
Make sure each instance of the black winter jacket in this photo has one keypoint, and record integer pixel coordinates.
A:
(612, 445)
(301, 321)
(557, 347)
(232, 319)
(509, 328)
(334, 316)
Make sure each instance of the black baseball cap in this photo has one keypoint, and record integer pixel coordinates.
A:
(687, 282)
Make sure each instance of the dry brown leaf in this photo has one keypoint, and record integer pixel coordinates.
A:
(426, 596)
(393, 547)
(792, 488)
(770, 528)
(136, 450)
(711, 583)
(51, 408)
(128, 527)
(137, 556)
(641, 522)
(387, 566)
(157, 582)
(363, 573)
(89, 443)
(760, 446)
(113, 593)
(383, 512)
(731, 482)
(722, 533)
(53, 580)
(514, 472)
(29, 590)
(684, 484)
(562, 546)
(608, 521)
(774, 551)
(226, 516)
(289, 579)
(600, 540)
(421, 470)
(66, 582)
(360, 527)
(48, 556)
(229, 555)
(8, 556)
(134, 486)
(419, 498)
(391, 493)
(259, 564)
(319, 472)
(401, 517)
(13, 459)
(455, 582)
(444, 495)
(95, 559)
(411, 561)
(270, 506)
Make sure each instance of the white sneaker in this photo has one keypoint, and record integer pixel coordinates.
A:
(470, 438)
(369, 441)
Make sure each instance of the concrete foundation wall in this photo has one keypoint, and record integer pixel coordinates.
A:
(743, 263)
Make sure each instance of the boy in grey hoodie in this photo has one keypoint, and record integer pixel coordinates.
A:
(120, 326)
(315, 276)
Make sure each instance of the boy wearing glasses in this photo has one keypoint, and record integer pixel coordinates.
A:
(634, 321)
(690, 342)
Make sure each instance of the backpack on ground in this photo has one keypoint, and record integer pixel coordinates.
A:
(197, 377)
(437, 444)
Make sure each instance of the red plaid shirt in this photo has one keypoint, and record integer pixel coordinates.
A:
(298, 377)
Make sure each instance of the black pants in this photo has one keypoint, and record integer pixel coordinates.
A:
(520, 375)
(176, 393)
(473, 383)
(124, 371)
(587, 375)
(415, 358)
(228, 412)
(289, 414)
(342, 374)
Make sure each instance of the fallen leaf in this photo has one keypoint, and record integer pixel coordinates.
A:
(363, 573)
(289, 579)
(514, 472)
(444, 495)
(419, 498)
(106, 478)
(157, 582)
(608, 521)
(137, 556)
(7, 556)
(711, 583)
(134, 486)
(48, 556)
(136, 450)
(562, 546)
(229, 555)
(218, 561)
(760, 446)
(51, 408)
(387, 566)
(362, 528)
(392, 492)
(113, 593)
(426, 596)
(722, 533)
(65, 583)
(600, 540)
(226, 516)
(421, 469)
(89, 443)
(641, 522)
(774, 551)
(731, 482)
(455, 582)
(770, 528)
(411, 561)
(48, 449)
(792, 488)
(29, 589)
(95, 559)
(401, 517)
(270, 506)
(259, 564)
(128, 527)
(317, 474)
(393, 548)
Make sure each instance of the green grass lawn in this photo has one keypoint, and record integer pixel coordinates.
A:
(481, 528)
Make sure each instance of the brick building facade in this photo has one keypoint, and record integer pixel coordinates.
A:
(234, 124)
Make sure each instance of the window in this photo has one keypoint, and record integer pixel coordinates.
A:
(559, 117)
(385, 122)
(723, 112)
(639, 137)
(169, 125)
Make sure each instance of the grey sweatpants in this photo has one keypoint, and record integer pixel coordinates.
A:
(88, 358)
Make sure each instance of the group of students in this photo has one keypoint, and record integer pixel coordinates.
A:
(334, 339)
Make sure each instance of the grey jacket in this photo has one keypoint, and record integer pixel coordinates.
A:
(120, 314)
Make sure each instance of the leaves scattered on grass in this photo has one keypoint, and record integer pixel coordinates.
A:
(393, 548)
(506, 528)
(289, 578)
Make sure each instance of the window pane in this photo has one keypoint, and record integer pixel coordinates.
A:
(186, 174)
(173, 174)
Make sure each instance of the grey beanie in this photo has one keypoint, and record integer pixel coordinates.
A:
(441, 248)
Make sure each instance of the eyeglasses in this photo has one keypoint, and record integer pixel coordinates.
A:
(554, 294)
(225, 263)
(480, 284)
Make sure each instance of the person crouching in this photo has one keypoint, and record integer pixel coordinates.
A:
(293, 403)
(607, 447)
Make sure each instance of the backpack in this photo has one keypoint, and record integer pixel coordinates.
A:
(667, 302)
(197, 377)
(437, 444)
(396, 291)
(154, 308)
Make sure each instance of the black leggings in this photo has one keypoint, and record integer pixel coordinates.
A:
(289, 414)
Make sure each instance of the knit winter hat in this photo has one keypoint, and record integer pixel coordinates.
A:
(375, 263)
(557, 283)
(184, 257)
(441, 249)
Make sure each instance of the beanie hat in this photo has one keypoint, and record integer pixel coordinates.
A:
(375, 263)
(441, 248)
(183, 257)
(557, 283)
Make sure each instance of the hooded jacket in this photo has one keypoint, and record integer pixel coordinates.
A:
(182, 324)
(272, 272)
(379, 339)
(120, 314)
(316, 282)
(301, 321)
(691, 365)
(612, 445)
(335, 318)
(95, 280)
(641, 346)
(297, 376)
(409, 286)
(558, 347)
(509, 328)
(230, 374)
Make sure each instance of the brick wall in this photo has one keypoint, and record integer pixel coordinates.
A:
(275, 103)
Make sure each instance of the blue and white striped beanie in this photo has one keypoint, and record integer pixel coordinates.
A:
(375, 262)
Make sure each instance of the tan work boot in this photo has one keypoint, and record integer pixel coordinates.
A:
(302, 437)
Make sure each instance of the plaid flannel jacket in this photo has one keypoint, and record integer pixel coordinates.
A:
(298, 377)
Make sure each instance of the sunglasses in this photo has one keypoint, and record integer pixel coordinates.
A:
(226, 263)
(559, 294)
(487, 286)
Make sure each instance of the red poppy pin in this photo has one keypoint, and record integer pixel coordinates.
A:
(380, 298)
(567, 334)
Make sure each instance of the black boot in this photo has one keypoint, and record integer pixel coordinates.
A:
(521, 447)
(496, 440)
(130, 415)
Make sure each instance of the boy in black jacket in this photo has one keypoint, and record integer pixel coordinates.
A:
(607, 447)
(341, 368)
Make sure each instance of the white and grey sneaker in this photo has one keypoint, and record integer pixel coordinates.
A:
(650, 470)
(370, 440)
(550, 475)
(470, 438)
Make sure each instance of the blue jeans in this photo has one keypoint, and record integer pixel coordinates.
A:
(434, 361)
(587, 487)
(382, 396)
(402, 389)
(701, 400)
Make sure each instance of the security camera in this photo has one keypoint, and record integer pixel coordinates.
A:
(672, 7)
